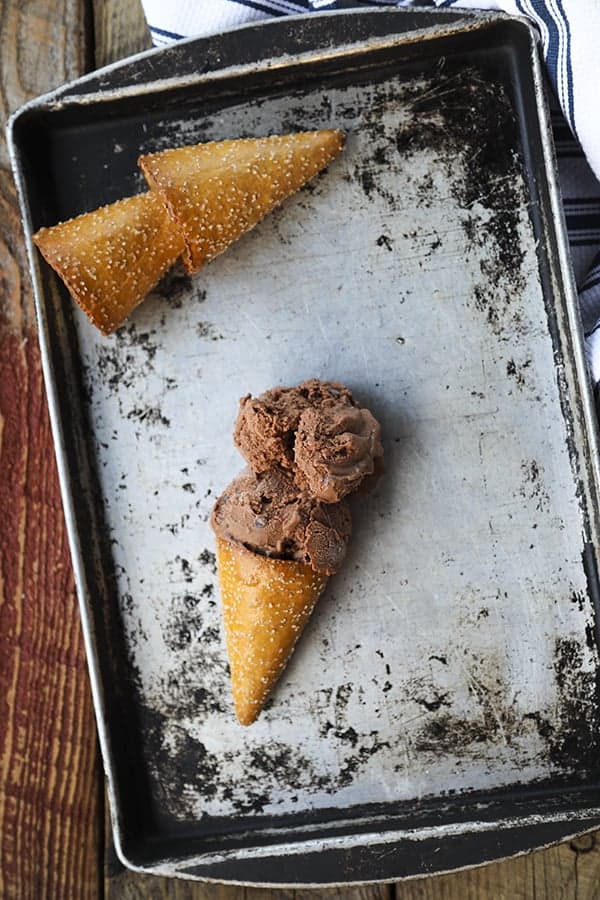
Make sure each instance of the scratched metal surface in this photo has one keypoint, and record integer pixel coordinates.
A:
(450, 654)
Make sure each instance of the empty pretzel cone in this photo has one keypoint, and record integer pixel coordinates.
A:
(110, 258)
(266, 604)
(217, 191)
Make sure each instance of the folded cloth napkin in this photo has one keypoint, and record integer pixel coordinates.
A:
(570, 35)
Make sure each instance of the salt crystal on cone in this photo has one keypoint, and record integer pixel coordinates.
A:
(112, 257)
(217, 191)
(266, 604)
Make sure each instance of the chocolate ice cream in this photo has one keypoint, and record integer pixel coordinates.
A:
(317, 431)
(269, 514)
(266, 425)
(307, 447)
(335, 449)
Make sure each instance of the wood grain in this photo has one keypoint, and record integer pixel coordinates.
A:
(49, 797)
(368, 892)
(42, 45)
(119, 30)
(132, 886)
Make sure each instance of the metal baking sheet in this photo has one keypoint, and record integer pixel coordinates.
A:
(444, 695)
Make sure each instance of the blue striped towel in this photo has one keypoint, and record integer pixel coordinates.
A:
(570, 36)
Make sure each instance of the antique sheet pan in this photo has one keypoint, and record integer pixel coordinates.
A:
(442, 708)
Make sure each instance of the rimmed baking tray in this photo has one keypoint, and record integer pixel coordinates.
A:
(442, 708)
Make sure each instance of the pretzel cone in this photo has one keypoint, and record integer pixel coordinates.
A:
(266, 604)
(110, 258)
(217, 191)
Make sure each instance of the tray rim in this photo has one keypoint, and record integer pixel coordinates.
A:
(458, 20)
(63, 97)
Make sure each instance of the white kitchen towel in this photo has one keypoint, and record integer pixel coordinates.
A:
(570, 36)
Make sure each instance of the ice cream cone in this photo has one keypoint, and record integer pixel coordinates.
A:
(266, 604)
(110, 258)
(217, 191)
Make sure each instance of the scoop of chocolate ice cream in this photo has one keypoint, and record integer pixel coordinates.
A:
(335, 449)
(307, 448)
(269, 514)
(266, 425)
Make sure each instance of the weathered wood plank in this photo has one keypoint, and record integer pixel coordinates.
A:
(132, 886)
(119, 30)
(49, 797)
(44, 43)
(366, 892)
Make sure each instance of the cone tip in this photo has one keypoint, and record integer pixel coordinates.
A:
(246, 713)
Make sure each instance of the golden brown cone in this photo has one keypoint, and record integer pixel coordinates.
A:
(266, 604)
(110, 258)
(217, 191)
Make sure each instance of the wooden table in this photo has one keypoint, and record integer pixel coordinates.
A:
(54, 842)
